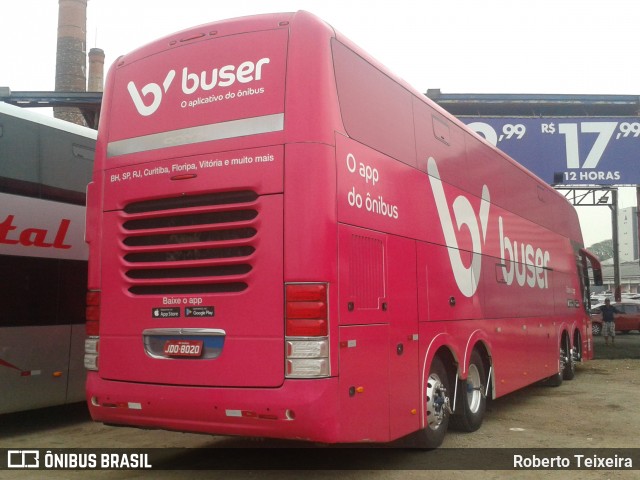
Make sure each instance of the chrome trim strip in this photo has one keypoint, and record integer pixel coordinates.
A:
(199, 134)
(209, 332)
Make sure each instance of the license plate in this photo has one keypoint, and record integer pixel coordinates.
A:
(183, 348)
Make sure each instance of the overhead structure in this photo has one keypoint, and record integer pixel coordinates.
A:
(536, 105)
(87, 102)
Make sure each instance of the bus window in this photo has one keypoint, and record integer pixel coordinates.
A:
(375, 109)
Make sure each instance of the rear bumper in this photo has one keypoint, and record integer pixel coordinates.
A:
(299, 409)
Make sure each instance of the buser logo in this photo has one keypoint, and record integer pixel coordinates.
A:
(467, 278)
(152, 89)
(520, 261)
(191, 83)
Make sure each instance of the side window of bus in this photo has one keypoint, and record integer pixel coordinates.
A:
(41, 291)
(375, 109)
(19, 151)
(441, 130)
(73, 285)
(584, 290)
(70, 156)
(26, 294)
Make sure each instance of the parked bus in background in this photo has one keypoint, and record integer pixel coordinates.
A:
(45, 165)
(286, 240)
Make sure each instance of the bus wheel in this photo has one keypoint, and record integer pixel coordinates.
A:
(437, 406)
(556, 380)
(577, 349)
(569, 366)
(473, 401)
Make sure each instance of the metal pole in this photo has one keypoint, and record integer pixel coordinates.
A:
(616, 246)
(637, 242)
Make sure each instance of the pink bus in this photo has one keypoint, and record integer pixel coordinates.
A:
(286, 240)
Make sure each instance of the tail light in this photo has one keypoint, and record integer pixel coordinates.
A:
(93, 313)
(92, 342)
(307, 330)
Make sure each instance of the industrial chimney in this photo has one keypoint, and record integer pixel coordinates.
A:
(71, 57)
(96, 70)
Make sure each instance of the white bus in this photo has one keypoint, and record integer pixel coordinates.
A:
(45, 165)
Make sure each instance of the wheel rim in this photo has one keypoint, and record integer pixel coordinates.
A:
(436, 400)
(571, 360)
(596, 329)
(562, 364)
(474, 389)
(577, 350)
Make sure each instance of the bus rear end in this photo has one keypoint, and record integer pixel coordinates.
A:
(194, 323)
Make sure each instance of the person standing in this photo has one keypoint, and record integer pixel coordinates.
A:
(608, 321)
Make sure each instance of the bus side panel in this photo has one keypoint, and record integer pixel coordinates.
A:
(28, 367)
(439, 138)
(404, 373)
(303, 77)
(363, 335)
(567, 295)
(309, 212)
(364, 383)
(77, 373)
(523, 346)
(375, 192)
(439, 297)
(378, 289)
(310, 227)
(363, 276)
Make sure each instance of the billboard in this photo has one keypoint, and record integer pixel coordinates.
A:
(568, 150)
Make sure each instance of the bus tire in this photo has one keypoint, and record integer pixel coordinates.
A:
(556, 380)
(437, 406)
(473, 401)
(570, 365)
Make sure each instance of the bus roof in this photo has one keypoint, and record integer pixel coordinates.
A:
(47, 121)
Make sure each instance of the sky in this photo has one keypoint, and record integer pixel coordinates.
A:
(458, 46)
